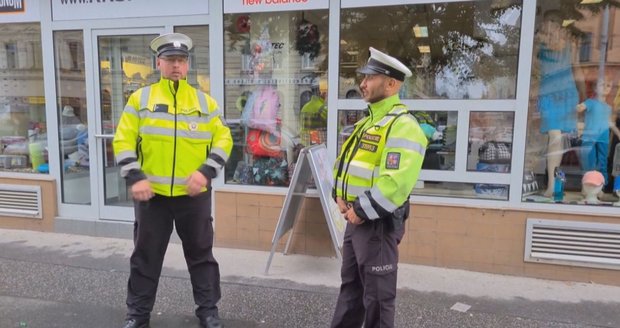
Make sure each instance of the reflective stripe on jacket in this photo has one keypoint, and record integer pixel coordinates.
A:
(380, 162)
(165, 136)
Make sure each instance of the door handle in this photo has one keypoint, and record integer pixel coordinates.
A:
(104, 136)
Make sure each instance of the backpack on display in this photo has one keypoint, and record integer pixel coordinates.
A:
(261, 110)
(264, 144)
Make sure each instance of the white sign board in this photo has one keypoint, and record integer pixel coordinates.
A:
(312, 162)
(106, 9)
(255, 6)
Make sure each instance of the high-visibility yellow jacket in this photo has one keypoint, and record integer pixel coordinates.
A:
(380, 162)
(165, 135)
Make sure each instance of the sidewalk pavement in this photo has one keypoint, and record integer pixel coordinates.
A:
(580, 304)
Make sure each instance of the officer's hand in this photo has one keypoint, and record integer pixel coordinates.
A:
(142, 191)
(195, 183)
(342, 205)
(352, 217)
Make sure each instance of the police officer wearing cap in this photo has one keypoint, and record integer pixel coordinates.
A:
(170, 142)
(374, 174)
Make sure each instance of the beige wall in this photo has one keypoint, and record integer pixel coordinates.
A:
(48, 198)
(472, 239)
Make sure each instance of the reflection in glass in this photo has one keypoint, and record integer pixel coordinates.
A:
(275, 69)
(573, 125)
(456, 50)
(125, 65)
(23, 125)
(440, 130)
(346, 121)
(490, 141)
(198, 74)
(72, 117)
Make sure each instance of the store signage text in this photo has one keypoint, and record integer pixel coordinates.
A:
(64, 2)
(249, 6)
(11, 6)
(102, 9)
(270, 2)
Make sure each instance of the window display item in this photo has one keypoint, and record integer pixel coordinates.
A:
(36, 154)
(593, 182)
(530, 184)
(13, 161)
(307, 39)
(494, 152)
(270, 171)
(68, 116)
(617, 191)
(595, 137)
(261, 110)
(242, 23)
(264, 144)
(488, 189)
(558, 186)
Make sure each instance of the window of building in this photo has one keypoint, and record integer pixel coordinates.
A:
(585, 48)
(465, 51)
(23, 125)
(11, 54)
(275, 72)
(72, 116)
(457, 50)
(573, 125)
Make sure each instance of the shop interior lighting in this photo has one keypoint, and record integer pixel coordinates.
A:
(588, 2)
(424, 49)
(420, 31)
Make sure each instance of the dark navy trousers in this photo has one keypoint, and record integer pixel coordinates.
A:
(369, 272)
(192, 219)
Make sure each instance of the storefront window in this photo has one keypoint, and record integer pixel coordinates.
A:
(275, 70)
(23, 125)
(456, 50)
(72, 116)
(573, 126)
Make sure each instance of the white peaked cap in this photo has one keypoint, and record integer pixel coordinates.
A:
(381, 63)
(172, 44)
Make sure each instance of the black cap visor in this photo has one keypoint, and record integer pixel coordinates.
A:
(376, 67)
(170, 50)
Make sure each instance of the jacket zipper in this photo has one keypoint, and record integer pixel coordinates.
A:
(174, 148)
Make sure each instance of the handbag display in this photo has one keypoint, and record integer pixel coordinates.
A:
(495, 152)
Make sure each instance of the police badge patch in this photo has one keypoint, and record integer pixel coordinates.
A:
(392, 161)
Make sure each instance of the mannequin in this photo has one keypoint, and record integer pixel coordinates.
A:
(595, 146)
(592, 184)
(558, 94)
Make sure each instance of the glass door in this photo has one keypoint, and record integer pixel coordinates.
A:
(124, 63)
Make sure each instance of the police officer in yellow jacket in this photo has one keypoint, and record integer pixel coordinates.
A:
(374, 174)
(170, 142)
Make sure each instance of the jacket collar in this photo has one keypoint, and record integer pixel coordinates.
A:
(382, 107)
(168, 84)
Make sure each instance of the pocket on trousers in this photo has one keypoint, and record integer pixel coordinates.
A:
(380, 282)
